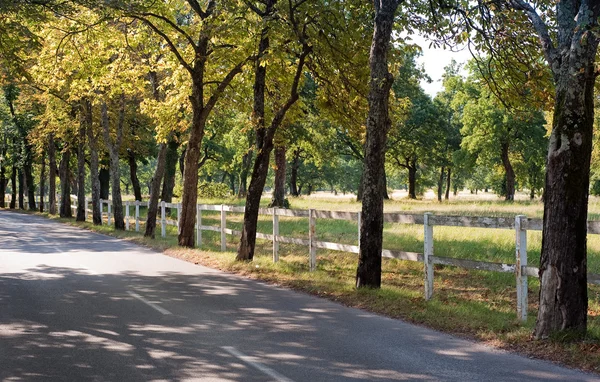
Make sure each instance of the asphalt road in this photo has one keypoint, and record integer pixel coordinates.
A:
(78, 306)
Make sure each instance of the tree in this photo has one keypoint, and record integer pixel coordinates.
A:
(213, 64)
(265, 132)
(368, 273)
(567, 39)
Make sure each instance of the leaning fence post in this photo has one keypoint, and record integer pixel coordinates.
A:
(521, 255)
(109, 211)
(275, 234)
(312, 239)
(223, 224)
(137, 216)
(427, 254)
(198, 225)
(163, 219)
(127, 215)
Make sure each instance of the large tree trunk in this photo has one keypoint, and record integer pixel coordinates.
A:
(104, 180)
(563, 263)
(13, 182)
(113, 150)
(257, 185)
(278, 199)
(159, 173)
(264, 137)
(28, 172)
(412, 181)
(189, 197)
(94, 164)
(294, 174)
(42, 180)
(52, 180)
(440, 184)
(509, 173)
(264, 145)
(65, 185)
(447, 196)
(135, 182)
(21, 188)
(154, 191)
(368, 273)
(201, 109)
(83, 126)
(171, 158)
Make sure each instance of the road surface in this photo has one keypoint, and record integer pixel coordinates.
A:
(79, 306)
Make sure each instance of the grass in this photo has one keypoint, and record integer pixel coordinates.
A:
(474, 304)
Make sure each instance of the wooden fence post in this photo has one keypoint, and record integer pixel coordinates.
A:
(109, 211)
(427, 253)
(85, 205)
(178, 215)
(275, 234)
(163, 219)
(198, 225)
(521, 255)
(101, 211)
(127, 215)
(223, 224)
(312, 239)
(137, 216)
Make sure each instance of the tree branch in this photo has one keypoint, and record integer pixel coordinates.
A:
(172, 46)
(541, 28)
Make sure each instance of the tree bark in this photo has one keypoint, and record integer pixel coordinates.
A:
(159, 174)
(440, 184)
(264, 137)
(412, 181)
(104, 180)
(65, 185)
(113, 150)
(563, 264)
(278, 199)
(21, 188)
(448, 175)
(264, 145)
(135, 182)
(13, 181)
(42, 180)
(368, 273)
(94, 164)
(52, 171)
(509, 173)
(171, 158)
(83, 126)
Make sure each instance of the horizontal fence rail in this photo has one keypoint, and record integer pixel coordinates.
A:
(520, 224)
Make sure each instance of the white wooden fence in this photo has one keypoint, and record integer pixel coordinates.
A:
(520, 224)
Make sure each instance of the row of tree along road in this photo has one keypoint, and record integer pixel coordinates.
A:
(223, 84)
